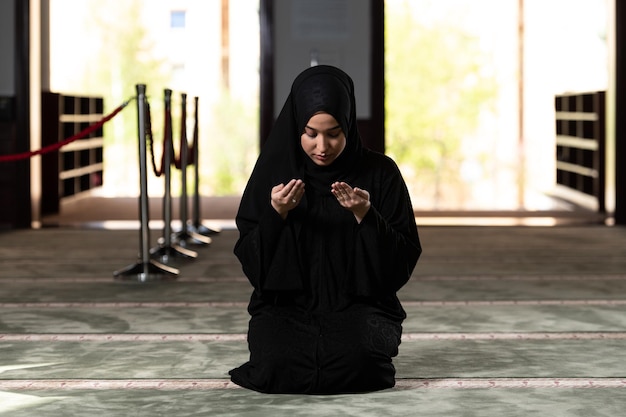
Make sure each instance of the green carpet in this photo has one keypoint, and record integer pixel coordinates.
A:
(502, 321)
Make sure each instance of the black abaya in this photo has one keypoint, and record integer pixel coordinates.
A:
(325, 317)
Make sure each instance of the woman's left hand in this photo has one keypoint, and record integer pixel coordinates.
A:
(355, 199)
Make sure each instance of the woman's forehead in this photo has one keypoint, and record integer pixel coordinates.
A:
(323, 120)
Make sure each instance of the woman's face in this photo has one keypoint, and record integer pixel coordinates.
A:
(323, 140)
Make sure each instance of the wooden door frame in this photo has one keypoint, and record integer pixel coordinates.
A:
(373, 129)
(619, 112)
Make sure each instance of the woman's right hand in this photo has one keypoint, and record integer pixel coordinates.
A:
(287, 197)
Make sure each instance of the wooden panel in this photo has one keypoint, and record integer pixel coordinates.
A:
(78, 166)
(620, 111)
(372, 129)
(580, 144)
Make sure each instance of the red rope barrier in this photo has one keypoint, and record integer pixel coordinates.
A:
(167, 141)
(184, 142)
(58, 145)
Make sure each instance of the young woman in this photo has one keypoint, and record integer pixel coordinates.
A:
(327, 238)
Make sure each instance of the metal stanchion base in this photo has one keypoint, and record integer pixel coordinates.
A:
(204, 230)
(186, 238)
(167, 253)
(150, 271)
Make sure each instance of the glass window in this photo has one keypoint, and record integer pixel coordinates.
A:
(177, 18)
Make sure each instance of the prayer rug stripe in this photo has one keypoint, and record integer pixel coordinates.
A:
(244, 304)
(586, 302)
(111, 280)
(219, 384)
(235, 337)
(611, 277)
(140, 304)
(608, 277)
(121, 337)
(478, 383)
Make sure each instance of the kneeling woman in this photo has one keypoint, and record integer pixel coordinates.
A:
(327, 238)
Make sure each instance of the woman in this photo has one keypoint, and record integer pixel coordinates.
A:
(327, 238)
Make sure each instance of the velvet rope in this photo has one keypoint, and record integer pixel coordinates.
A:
(184, 142)
(58, 145)
(167, 140)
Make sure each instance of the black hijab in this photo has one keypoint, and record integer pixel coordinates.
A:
(321, 88)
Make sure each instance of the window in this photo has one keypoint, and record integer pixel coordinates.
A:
(177, 19)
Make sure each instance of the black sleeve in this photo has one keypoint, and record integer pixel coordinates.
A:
(268, 254)
(387, 245)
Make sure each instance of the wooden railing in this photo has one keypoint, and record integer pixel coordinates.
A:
(580, 148)
(77, 167)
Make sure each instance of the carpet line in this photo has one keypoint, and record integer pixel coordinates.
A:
(60, 280)
(243, 304)
(547, 302)
(577, 277)
(562, 277)
(125, 304)
(228, 337)
(220, 384)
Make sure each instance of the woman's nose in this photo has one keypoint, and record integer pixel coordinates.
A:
(322, 143)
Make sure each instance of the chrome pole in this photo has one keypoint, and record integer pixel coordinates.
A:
(168, 251)
(186, 236)
(144, 213)
(145, 269)
(196, 222)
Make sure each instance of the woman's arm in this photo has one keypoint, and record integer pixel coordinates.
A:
(267, 247)
(387, 244)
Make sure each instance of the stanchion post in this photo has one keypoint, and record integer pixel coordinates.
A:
(146, 269)
(168, 251)
(184, 156)
(144, 212)
(167, 169)
(186, 236)
(196, 221)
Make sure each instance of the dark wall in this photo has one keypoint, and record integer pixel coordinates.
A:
(372, 130)
(15, 200)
